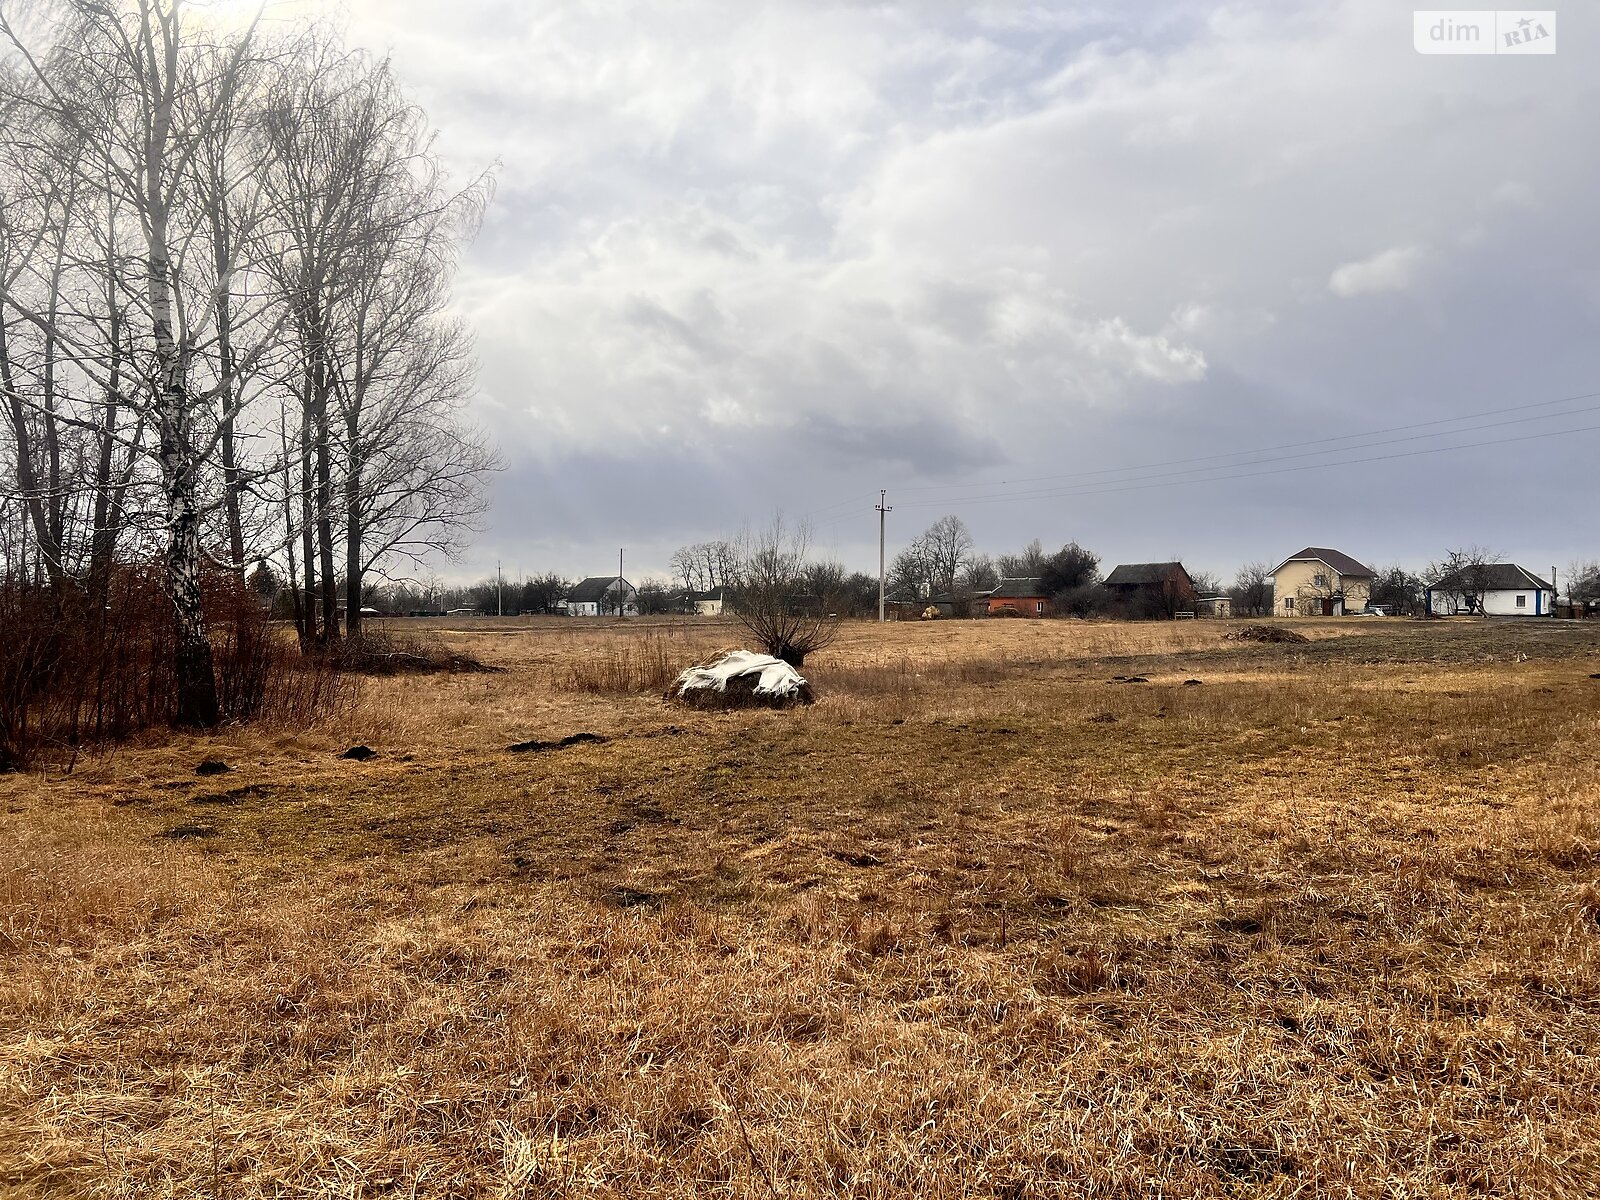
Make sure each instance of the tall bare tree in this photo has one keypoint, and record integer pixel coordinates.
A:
(114, 82)
(388, 469)
(1252, 589)
(706, 566)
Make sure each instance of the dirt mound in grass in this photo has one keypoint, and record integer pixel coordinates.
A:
(383, 653)
(1266, 633)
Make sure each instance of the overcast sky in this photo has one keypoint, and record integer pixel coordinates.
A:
(1020, 262)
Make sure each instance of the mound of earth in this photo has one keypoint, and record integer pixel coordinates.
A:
(1265, 633)
(742, 679)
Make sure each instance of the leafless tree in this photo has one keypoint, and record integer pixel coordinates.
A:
(114, 83)
(706, 566)
(824, 580)
(686, 569)
(1583, 581)
(1027, 565)
(382, 465)
(61, 305)
(1460, 578)
(412, 469)
(947, 546)
(934, 560)
(324, 128)
(1397, 590)
(979, 574)
(1252, 589)
(910, 574)
(771, 602)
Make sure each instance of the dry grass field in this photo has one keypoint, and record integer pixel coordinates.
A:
(981, 922)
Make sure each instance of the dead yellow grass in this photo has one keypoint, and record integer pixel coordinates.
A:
(979, 923)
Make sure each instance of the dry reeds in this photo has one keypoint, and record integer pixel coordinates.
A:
(643, 664)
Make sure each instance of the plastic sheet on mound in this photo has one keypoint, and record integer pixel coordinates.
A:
(775, 681)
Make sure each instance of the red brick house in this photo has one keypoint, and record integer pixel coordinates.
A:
(1152, 589)
(1021, 596)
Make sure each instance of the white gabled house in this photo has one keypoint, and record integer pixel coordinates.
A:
(597, 596)
(708, 604)
(1492, 590)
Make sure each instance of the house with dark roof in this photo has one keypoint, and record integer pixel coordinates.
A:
(1023, 597)
(1491, 590)
(700, 603)
(603, 596)
(1320, 582)
(1160, 589)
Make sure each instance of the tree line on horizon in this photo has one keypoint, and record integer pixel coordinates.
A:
(942, 563)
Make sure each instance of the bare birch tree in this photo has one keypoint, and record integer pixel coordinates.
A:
(371, 233)
(225, 269)
(118, 81)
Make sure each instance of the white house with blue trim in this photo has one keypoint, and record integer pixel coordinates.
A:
(1492, 590)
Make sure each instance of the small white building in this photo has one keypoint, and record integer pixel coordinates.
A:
(707, 604)
(597, 596)
(1492, 590)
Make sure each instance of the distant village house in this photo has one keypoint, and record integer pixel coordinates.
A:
(598, 596)
(1493, 590)
(1023, 596)
(701, 604)
(1320, 582)
(1161, 589)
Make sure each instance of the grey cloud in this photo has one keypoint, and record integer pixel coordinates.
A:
(944, 245)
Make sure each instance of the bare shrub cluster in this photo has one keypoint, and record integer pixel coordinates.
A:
(771, 602)
(75, 672)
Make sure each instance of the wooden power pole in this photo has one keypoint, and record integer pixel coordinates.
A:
(883, 509)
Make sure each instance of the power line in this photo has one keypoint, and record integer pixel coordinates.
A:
(1177, 462)
(837, 504)
(1135, 487)
(1179, 476)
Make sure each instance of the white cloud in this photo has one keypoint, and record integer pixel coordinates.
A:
(1391, 270)
(925, 237)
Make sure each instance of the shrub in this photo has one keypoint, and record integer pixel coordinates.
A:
(80, 667)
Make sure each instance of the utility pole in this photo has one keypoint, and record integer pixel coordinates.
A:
(883, 509)
(621, 586)
(499, 604)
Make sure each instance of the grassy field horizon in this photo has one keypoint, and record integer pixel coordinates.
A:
(1017, 908)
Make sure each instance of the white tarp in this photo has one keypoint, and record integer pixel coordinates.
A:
(775, 679)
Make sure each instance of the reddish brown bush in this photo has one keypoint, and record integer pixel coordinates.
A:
(79, 667)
